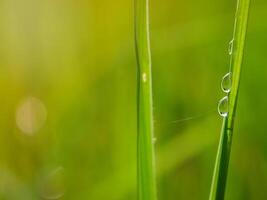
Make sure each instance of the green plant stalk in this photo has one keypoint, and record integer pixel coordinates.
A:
(223, 154)
(145, 147)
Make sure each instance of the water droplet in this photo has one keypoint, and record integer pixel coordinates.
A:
(223, 106)
(53, 186)
(226, 83)
(154, 140)
(230, 47)
(31, 115)
(144, 77)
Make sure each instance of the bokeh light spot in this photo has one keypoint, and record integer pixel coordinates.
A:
(31, 115)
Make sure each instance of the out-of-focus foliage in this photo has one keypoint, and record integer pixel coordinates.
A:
(68, 99)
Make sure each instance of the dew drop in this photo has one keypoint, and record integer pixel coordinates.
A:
(223, 106)
(226, 83)
(230, 47)
(154, 140)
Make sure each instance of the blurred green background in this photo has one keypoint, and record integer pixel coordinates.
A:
(68, 99)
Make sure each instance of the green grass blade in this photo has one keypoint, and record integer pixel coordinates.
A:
(145, 146)
(223, 155)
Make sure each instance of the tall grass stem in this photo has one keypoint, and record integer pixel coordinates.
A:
(145, 147)
(237, 49)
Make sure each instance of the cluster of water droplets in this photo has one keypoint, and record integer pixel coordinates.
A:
(226, 84)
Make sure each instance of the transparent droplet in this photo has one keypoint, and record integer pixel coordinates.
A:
(53, 184)
(226, 83)
(154, 140)
(230, 47)
(223, 106)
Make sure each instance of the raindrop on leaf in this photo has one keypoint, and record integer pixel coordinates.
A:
(223, 106)
(226, 83)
